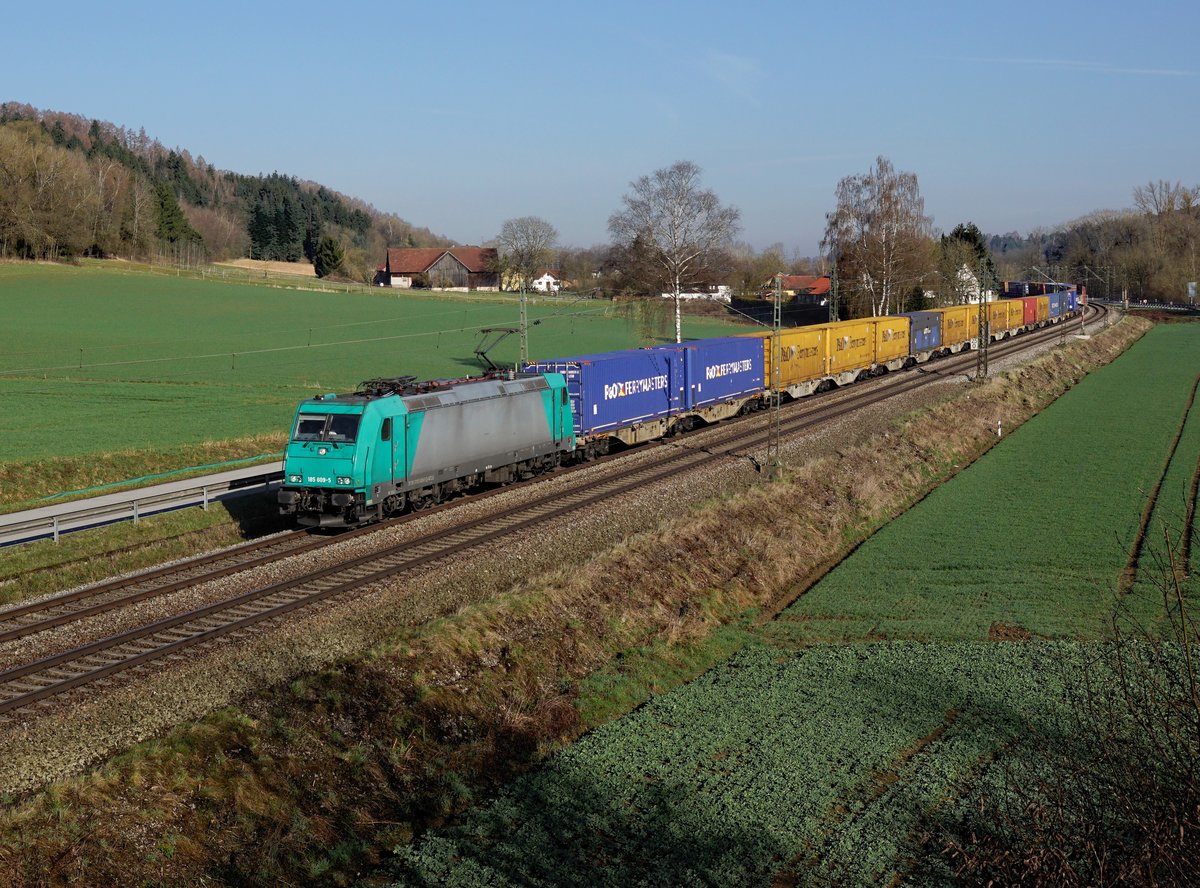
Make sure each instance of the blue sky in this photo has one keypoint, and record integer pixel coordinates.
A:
(459, 116)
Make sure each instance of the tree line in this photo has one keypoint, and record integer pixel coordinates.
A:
(70, 187)
(880, 247)
(73, 187)
(1147, 251)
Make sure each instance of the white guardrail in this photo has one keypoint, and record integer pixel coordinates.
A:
(50, 522)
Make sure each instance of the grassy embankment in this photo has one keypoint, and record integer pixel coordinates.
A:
(321, 778)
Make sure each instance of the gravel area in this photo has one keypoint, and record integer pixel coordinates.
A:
(77, 731)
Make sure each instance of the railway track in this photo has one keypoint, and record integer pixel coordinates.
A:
(38, 683)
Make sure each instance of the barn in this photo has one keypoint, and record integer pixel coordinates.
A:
(441, 268)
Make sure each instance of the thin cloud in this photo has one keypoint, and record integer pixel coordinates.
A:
(800, 159)
(739, 75)
(1088, 67)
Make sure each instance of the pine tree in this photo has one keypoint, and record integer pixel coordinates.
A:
(172, 224)
(329, 256)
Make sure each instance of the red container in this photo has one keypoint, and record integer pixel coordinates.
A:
(1031, 310)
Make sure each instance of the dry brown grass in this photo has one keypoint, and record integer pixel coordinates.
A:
(22, 483)
(303, 269)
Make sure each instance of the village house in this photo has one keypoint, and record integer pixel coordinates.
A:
(547, 282)
(805, 288)
(711, 292)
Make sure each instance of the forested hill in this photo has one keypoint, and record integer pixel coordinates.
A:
(72, 186)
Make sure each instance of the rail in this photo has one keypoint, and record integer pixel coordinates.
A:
(51, 522)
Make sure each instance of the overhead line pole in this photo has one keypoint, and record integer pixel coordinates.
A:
(774, 463)
(981, 353)
(833, 290)
(524, 326)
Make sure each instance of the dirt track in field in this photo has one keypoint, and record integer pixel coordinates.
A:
(303, 269)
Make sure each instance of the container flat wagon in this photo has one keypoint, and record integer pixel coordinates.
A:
(722, 377)
(628, 396)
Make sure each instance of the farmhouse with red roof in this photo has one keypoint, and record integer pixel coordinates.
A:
(454, 268)
(816, 285)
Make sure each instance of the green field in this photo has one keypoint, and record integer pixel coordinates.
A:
(1035, 535)
(816, 764)
(95, 359)
(850, 736)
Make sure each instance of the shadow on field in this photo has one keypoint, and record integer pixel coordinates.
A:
(475, 367)
(257, 514)
(568, 833)
(830, 767)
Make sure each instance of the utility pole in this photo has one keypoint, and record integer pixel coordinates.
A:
(524, 325)
(774, 463)
(833, 290)
(981, 353)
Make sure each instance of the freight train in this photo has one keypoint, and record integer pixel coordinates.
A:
(395, 445)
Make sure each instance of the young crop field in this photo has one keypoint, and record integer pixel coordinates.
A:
(95, 359)
(1035, 536)
(850, 737)
(818, 765)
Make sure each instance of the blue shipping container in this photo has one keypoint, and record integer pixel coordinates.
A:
(720, 369)
(1056, 304)
(612, 390)
(925, 331)
(1072, 301)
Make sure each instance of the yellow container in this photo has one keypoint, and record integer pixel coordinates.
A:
(820, 350)
(998, 316)
(803, 351)
(1043, 308)
(960, 323)
(1016, 314)
(891, 338)
(852, 345)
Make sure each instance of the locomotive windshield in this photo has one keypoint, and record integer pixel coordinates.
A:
(339, 427)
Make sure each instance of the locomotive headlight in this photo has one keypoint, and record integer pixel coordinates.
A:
(295, 479)
(345, 480)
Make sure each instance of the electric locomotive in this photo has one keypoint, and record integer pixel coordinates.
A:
(396, 444)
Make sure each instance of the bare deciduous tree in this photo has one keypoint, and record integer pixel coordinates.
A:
(881, 238)
(526, 245)
(683, 224)
(1161, 197)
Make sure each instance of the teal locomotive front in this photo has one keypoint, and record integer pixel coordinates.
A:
(395, 445)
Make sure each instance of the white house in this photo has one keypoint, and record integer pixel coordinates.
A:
(549, 282)
(716, 293)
